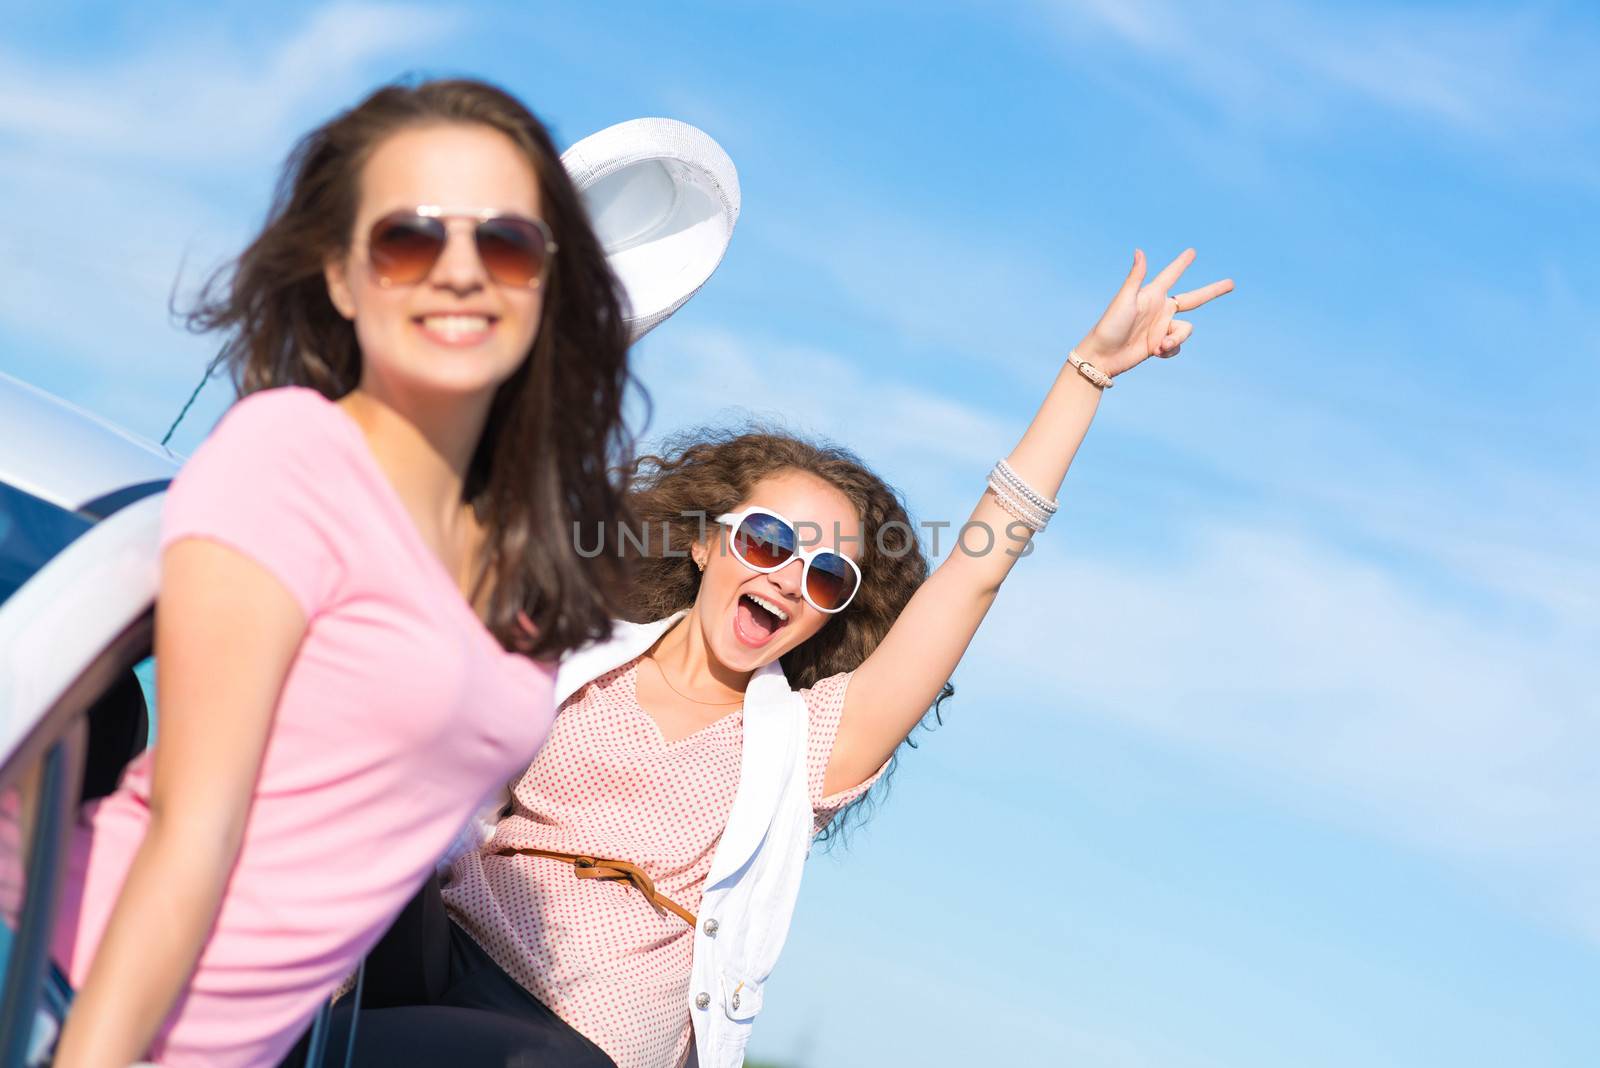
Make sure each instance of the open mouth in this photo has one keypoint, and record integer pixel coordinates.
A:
(756, 620)
(456, 330)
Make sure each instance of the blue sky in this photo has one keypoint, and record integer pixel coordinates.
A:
(1283, 747)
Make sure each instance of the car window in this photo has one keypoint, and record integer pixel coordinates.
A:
(119, 721)
(32, 532)
(145, 672)
(17, 807)
(22, 806)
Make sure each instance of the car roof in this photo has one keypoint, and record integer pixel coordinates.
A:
(62, 454)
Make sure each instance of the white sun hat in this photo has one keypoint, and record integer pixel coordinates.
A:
(663, 198)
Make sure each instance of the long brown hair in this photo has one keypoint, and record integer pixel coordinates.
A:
(554, 430)
(701, 473)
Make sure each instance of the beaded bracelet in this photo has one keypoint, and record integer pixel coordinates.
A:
(1046, 504)
(1018, 509)
(1036, 519)
(1025, 503)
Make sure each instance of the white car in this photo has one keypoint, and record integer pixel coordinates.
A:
(80, 509)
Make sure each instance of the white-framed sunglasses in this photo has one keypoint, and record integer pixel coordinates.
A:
(765, 541)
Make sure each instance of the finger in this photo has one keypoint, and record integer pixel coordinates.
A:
(1177, 333)
(1169, 274)
(1162, 324)
(1131, 283)
(1192, 299)
(1167, 354)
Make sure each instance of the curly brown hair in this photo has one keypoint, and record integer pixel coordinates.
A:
(704, 472)
(555, 429)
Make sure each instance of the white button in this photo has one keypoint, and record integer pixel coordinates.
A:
(711, 928)
(702, 1000)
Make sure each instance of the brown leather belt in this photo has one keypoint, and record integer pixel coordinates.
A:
(587, 867)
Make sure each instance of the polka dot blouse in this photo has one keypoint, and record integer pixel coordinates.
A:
(608, 784)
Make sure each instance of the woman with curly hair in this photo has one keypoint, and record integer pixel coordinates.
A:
(787, 639)
(366, 574)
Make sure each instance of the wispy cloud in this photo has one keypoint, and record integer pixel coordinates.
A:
(207, 97)
(128, 172)
(697, 373)
(943, 285)
(1351, 691)
(1488, 71)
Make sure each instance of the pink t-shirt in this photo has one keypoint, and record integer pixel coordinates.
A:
(608, 784)
(399, 714)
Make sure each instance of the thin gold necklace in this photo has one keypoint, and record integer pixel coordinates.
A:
(663, 673)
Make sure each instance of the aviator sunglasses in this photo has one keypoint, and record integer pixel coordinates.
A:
(404, 245)
(764, 541)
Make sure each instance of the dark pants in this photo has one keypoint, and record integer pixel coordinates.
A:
(431, 996)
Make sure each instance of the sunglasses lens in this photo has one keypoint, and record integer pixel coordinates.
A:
(763, 541)
(831, 581)
(404, 247)
(514, 251)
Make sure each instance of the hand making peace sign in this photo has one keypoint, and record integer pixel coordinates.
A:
(1139, 322)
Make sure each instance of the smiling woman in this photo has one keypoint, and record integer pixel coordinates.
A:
(365, 574)
(315, 302)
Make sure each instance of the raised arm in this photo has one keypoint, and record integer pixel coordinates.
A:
(892, 690)
(226, 631)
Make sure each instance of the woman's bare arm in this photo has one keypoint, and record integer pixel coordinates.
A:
(892, 690)
(226, 632)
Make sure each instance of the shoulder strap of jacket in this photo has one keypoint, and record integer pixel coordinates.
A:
(627, 641)
(774, 738)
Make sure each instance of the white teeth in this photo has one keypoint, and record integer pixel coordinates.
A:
(769, 606)
(455, 325)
